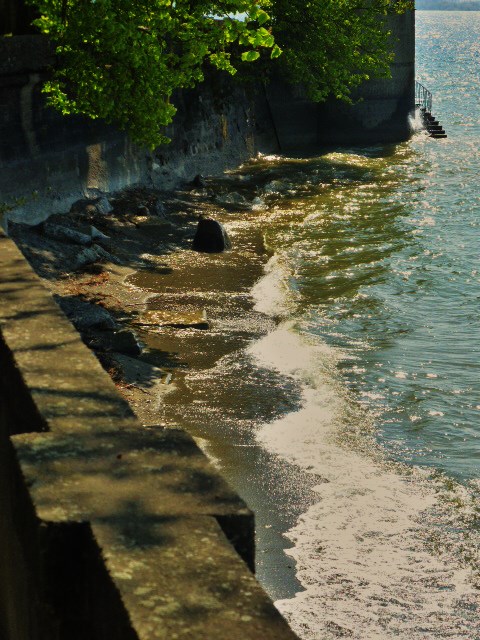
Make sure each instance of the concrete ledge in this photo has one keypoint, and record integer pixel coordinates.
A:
(107, 529)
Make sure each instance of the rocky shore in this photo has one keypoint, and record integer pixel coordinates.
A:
(173, 326)
(106, 260)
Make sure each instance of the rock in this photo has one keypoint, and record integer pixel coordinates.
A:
(154, 222)
(199, 182)
(176, 319)
(84, 258)
(66, 233)
(232, 198)
(103, 206)
(85, 315)
(275, 186)
(258, 204)
(158, 209)
(92, 205)
(122, 341)
(138, 220)
(143, 210)
(99, 237)
(86, 206)
(104, 255)
(92, 254)
(142, 374)
(211, 237)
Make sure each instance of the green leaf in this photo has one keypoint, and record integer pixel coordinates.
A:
(262, 17)
(268, 41)
(250, 56)
(122, 60)
(276, 52)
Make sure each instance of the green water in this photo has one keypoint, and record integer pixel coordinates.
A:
(383, 249)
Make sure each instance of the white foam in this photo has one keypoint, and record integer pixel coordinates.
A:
(271, 291)
(361, 550)
(416, 122)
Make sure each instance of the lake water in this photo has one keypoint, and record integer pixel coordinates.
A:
(352, 422)
(377, 276)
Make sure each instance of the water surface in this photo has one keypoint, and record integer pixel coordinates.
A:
(340, 390)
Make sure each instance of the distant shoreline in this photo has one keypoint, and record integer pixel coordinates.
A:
(446, 6)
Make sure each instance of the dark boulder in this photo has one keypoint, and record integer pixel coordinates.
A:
(210, 237)
(85, 315)
(143, 210)
(121, 341)
(199, 182)
(124, 341)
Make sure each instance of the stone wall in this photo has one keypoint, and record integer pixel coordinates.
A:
(380, 113)
(48, 161)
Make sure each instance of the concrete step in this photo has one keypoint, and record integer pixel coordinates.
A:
(432, 125)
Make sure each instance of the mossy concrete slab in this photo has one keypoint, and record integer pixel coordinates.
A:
(121, 531)
(180, 579)
(178, 318)
(151, 471)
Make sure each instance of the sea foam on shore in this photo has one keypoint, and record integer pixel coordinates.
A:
(365, 552)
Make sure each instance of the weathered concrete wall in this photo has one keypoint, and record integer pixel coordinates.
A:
(107, 529)
(379, 115)
(219, 125)
(16, 16)
(48, 161)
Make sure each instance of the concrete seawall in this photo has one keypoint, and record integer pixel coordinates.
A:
(48, 161)
(379, 113)
(108, 529)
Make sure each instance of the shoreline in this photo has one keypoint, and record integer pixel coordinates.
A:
(156, 253)
(370, 523)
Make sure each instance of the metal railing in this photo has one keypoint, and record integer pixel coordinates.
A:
(423, 97)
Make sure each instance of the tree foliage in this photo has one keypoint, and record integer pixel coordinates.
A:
(332, 46)
(121, 60)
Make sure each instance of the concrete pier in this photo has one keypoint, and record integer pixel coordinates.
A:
(379, 113)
